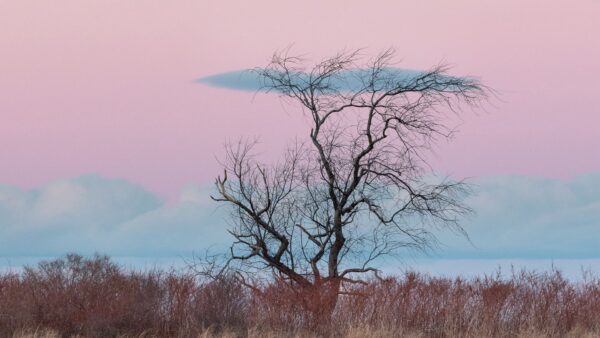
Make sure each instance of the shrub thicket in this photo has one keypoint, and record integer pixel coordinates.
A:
(94, 297)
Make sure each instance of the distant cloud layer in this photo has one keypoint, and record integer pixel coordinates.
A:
(532, 217)
(516, 217)
(91, 213)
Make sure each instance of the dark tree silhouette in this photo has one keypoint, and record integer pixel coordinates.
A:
(359, 187)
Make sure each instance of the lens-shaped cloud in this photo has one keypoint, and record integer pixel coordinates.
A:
(345, 80)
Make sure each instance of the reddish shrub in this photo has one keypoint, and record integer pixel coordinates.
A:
(96, 298)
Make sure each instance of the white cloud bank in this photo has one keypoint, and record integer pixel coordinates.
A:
(94, 214)
(532, 217)
(516, 217)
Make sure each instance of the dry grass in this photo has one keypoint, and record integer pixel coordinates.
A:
(78, 297)
(351, 333)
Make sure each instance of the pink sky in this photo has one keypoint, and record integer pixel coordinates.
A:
(108, 87)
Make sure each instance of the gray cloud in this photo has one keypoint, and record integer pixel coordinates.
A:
(95, 214)
(239, 80)
(516, 217)
(249, 80)
(531, 217)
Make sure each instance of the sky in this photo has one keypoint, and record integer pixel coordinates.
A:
(108, 141)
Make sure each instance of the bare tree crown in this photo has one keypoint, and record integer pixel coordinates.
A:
(357, 189)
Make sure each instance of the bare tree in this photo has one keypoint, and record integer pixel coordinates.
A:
(359, 187)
